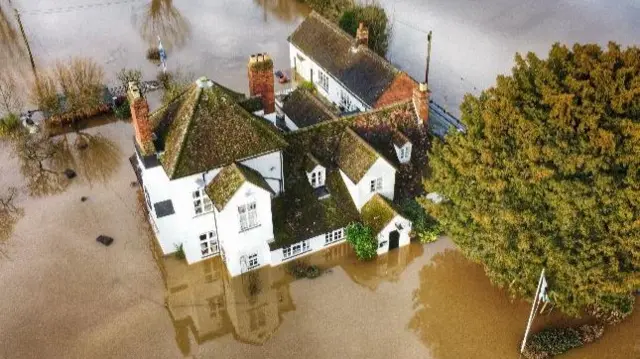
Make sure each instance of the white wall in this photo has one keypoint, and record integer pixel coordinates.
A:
(304, 68)
(315, 244)
(184, 226)
(351, 187)
(381, 168)
(270, 167)
(383, 236)
(237, 243)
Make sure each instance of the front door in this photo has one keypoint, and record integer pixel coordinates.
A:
(394, 240)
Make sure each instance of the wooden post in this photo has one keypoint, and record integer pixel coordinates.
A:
(26, 42)
(426, 74)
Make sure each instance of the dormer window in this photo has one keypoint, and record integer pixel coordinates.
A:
(402, 146)
(317, 178)
(404, 155)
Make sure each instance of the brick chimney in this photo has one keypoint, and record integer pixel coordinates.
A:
(421, 102)
(140, 119)
(261, 81)
(362, 35)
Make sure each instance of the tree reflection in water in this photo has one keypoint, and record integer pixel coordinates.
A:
(283, 10)
(163, 19)
(9, 37)
(9, 215)
(43, 160)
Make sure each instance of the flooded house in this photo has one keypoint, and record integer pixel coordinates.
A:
(263, 180)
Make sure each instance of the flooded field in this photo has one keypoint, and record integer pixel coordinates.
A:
(66, 296)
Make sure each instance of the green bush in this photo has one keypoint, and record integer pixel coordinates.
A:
(180, 251)
(363, 241)
(612, 309)
(377, 22)
(424, 227)
(552, 341)
(309, 86)
(122, 111)
(9, 124)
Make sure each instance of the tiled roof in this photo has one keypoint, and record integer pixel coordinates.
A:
(377, 213)
(304, 109)
(310, 162)
(363, 72)
(399, 139)
(228, 181)
(355, 155)
(204, 128)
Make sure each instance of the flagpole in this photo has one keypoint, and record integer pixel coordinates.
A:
(534, 305)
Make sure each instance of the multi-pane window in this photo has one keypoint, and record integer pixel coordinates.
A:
(248, 216)
(209, 243)
(334, 236)
(253, 260)
(295, 249)
(201, 202)
(345, 100)
(317, 179)
(404, 153)
(376, 185)
(323, 81)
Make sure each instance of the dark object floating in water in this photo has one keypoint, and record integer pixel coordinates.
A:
(133, 184)
(70, 173)
(84, 198)
(105, 240)
(282, 78)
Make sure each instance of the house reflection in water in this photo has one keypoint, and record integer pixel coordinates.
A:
(206, 303)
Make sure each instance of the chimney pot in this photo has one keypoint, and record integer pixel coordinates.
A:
(421, 103)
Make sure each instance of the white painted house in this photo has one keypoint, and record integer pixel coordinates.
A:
(212, 165)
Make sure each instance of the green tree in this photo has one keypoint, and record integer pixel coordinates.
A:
(362, 240)
(375, 18)
(546, 175)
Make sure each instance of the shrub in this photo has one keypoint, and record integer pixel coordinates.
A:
(552, 341)
(180, 251)
(309, 86)
(301, 269)
(424, 227)
(153, 54)
(129, 75)
(9, 124)
(362, 240)
(375, 18)
(122, 111)
(613, 309)
(590, 332)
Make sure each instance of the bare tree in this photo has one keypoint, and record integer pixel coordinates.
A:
(10, 101)
(9, 215)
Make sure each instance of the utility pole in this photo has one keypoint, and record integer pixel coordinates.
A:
(26, 42)
(426, 74)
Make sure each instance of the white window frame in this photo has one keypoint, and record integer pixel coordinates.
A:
(334, 236)
(345, 100)
(296, 249)
(209, 244)
(404, 153)
(323, 81)
(317, 179)
(375, 185)
(201, 202)
(248, 216)
(253, 261)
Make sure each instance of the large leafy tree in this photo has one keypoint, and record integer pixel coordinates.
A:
(547, 175)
